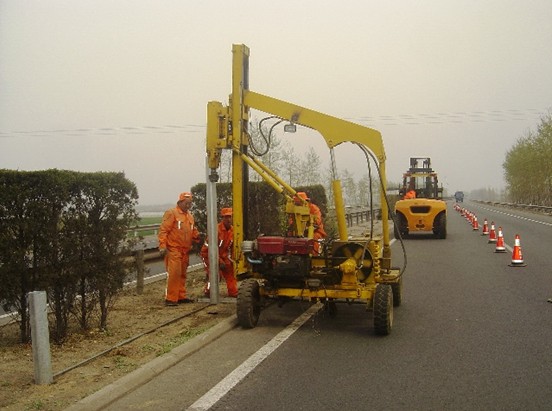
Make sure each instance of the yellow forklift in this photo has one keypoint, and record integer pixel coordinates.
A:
(421, 208)
(285, 268)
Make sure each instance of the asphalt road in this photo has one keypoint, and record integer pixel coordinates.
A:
(472, 333)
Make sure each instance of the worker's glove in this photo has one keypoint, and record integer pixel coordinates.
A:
(162, 252)
(222, 266)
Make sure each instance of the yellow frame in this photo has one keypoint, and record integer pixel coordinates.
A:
(227, 129)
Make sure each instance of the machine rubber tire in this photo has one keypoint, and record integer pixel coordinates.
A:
(248, 303)
(401, 227)
(441, 231)
(397, 293)
(396, 232)
(383, 309)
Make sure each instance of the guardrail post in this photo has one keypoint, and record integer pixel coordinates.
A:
(40, 337)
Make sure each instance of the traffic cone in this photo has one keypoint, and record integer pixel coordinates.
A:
(500, 248)
(492, 234)
(485, 227)
(517, 256)
(475, 225)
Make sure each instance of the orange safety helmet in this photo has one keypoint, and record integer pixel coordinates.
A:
(303, 195)
(226, 212)
(184, 196)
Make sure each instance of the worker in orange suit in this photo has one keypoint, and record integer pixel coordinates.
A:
(176, 235)
(226, 267)
(314, 210)
(411, 193)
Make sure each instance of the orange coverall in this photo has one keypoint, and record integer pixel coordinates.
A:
(176, 234)
(319, 231)
(225, 239)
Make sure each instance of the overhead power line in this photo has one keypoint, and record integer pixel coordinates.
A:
(82, 132)
(453, 117)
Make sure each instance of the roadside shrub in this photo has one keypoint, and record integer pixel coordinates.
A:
(64, 232)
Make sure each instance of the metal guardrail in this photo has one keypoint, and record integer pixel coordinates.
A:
(360, 216)
(139, 228)
(353, 216)
(533, 207)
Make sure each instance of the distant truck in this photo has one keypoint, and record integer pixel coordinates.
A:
(459, 196)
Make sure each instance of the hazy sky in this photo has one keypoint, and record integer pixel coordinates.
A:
(117, 85)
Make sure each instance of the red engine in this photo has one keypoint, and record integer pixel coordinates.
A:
(285, 245)
(284, 261)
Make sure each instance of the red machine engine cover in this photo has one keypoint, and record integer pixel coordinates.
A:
(270, 245)
(298, 245)
(284, 245)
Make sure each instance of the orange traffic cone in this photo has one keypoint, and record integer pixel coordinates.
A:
(517, 256)
(475, 225)
(500, 248)
(492, 234)
(485, 227)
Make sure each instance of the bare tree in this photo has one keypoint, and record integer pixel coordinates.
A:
(310, 168)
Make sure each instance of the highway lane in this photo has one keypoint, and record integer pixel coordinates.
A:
(535, 230)
(472, 333)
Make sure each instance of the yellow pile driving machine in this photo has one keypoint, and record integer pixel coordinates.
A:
(284, 268)
(422, 208)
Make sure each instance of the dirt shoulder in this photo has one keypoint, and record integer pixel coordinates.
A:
(132, 315)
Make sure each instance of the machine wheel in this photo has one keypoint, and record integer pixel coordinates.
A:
(401, 227)
(397, 293)
(248, 304)
(396, 232)
(383, 309)
(441, 227)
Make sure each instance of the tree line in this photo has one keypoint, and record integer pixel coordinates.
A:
(303, 169)
(528, 166)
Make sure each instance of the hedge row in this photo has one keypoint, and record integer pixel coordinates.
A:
(265, 207)
(64, 232)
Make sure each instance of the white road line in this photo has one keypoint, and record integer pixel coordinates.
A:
(517, 216)
(232, 379)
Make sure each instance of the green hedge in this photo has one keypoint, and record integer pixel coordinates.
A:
(64, 232)
(265, 206)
